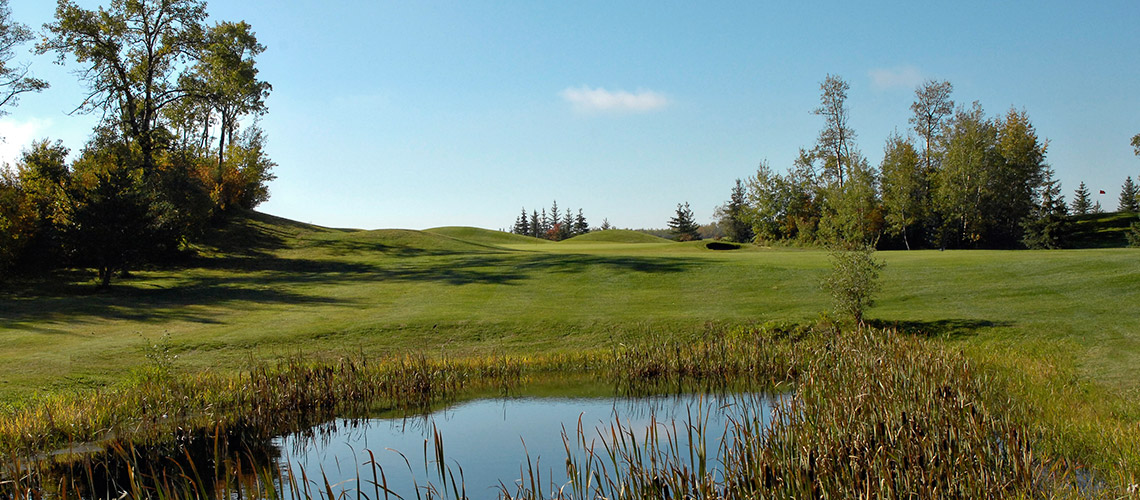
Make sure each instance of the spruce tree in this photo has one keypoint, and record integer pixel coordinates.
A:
(535, 224)
(522, 224)
(1082, 205)
(682, 225)
(580, 225)
(1048, 223)
(733, 218)
(1128, 193)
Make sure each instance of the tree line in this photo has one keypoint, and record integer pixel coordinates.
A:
(168, 156)
(961, 179)
(554, 226)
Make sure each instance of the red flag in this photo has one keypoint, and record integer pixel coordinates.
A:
(1101, 191)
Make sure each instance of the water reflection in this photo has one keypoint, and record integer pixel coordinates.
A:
(492, 443)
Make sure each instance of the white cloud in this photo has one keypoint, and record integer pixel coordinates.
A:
(907, 77)
(589, 99)
(17, 135)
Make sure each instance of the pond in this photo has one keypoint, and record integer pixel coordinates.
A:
(480, 448)
(490, 444)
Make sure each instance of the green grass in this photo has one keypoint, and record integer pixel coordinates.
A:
(615, 236)
(1101, 230)
(267, 288)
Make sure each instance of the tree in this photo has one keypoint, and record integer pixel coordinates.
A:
(522, 224)
(535, 224)
(1128, 196)
(932, 104)
(605, 225)
(904, 186)
(682, 225)
(834, 143)
(853, 280)
(733, 216)
(111, 224)
(1048, 224)
(1082, 204)
(226, 78)
(1136, 144)
(852, 214)
(1096, 208)
(136, 54)
(965, 183)
(580, 224)
(1017, 177)
(14, 80)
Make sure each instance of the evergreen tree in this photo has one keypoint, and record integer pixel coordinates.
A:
(1048, 224)
(733, 215)
(567, 226)
(522, 224)
(1128, 197)
(1082, 204)
(606, 226)
(1096, 208)
(543, 224)
(682, 226)
(535, 224)
(580, 225)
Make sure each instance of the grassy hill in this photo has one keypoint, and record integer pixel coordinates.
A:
(264, 287)
(485, 236)
(1101, 230)
(615, 236)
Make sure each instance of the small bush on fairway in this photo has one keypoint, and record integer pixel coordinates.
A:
(853, 281)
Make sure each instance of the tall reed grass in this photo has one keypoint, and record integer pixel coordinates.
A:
(875, 414)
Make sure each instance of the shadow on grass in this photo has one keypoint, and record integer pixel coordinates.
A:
(943, 328)
(240, 281)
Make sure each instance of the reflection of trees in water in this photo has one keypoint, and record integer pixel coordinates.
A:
(216, 463)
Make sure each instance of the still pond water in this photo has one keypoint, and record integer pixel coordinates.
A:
(490, 439)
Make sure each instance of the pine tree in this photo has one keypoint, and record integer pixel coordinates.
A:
(1096, 209)
(1128, 194)
(1082, 205)
(535, 224)
(682, 225)
(606, 226)
(1048, 223)
(733, 215)
(580, 225)
(522, 224)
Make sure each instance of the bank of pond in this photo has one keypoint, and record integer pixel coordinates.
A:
(774, 411)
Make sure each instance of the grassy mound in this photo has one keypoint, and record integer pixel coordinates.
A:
(1101, 230)
(483, 236)
(616, 236)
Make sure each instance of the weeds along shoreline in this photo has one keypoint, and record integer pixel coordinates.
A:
(875, 413)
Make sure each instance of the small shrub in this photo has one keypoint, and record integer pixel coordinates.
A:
(853, 281)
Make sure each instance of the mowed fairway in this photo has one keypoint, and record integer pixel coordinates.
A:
(268, 288)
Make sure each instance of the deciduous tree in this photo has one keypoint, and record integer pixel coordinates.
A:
(14, 79)
(904, 186)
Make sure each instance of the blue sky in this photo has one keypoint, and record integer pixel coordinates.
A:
(422, 114)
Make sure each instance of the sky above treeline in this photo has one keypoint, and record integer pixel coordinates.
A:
(424, 114)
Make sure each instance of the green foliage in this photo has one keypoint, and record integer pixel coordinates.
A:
(682, 226)
(17, 220)
(904, 187)
(853, 280)
(1048, 226)
(1082, 204)
(853, 211)
(553, 227)
(1133, 235)
(112, 225)
(733, 216)
(1129, 196)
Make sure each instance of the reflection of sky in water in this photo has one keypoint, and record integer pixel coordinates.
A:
(486, 438)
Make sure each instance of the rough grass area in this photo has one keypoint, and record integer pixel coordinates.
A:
(1101, 230)
(874, 413)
